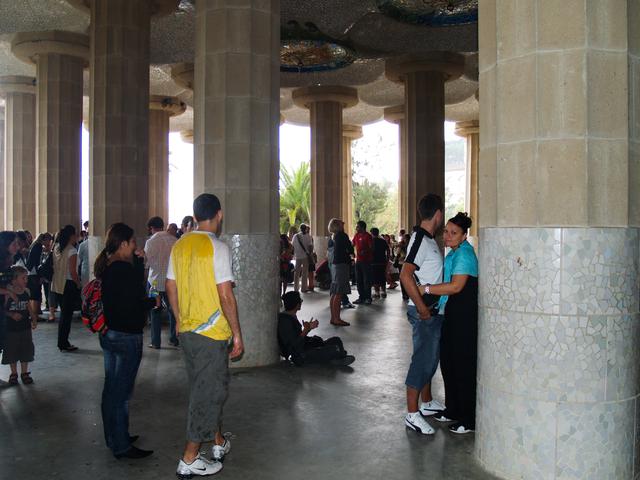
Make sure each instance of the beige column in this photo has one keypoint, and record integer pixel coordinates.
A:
(559, 319)
(349, 134)
(236, 114)
(424, 80)
(325, 104)
(470, 132)
(161, 110)
(20, 152)
(396, 115)
(2, 173)
(60, 58)
(119, 140)
(187, 136)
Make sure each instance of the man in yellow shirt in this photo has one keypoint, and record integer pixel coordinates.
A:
(200, 289)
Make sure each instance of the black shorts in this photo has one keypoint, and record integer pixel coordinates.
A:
(35, 288)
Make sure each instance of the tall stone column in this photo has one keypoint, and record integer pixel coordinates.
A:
(236, 114)
(396, 115)
(325, 104)
(349, 134)
(60, 58)
(20, 152)
(424, 80)
(2, 173)
(470, 132)
(559, 326)
(161, 110)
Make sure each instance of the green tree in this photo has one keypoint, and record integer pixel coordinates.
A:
(295, 196)
(452, 204)
(369, 199)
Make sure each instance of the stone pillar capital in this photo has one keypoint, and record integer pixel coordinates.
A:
(450, 64)
(182, 74)
(345, 96)
(394, 114)
(158, 7)
(187, 136)
(27, 46)
(352, 132)
(17, 84)
(171, 105)
(464, 129)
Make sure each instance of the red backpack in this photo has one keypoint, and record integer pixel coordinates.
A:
(92, 310)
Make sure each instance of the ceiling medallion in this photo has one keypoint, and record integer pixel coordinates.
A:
(306, 49)
(434, 13)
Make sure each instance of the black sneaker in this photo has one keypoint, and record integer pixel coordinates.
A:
(344, 361)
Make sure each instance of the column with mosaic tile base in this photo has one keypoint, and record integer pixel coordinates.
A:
(559, 325)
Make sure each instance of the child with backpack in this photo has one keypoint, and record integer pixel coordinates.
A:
(21, 318)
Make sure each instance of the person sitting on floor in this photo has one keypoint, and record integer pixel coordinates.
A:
(296, 344)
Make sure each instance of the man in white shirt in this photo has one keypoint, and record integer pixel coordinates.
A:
(157, 252)
(423, 266)
(302, 251)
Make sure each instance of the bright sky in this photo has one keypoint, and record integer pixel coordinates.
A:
(379, 145)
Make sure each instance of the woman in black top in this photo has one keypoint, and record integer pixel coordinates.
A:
(8, 248)
(125, 303)
(41, 245)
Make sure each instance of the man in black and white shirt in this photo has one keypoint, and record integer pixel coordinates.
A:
(423, 265)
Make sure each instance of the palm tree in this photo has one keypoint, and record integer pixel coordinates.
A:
(295, 196)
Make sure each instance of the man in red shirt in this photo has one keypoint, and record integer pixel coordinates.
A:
(363, 243)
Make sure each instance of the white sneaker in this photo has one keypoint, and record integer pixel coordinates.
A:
(460, 429)
(415, 422)
(429, 408)
(440, 417)
(219, 451)
(199, 467)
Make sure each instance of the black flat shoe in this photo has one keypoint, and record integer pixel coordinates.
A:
(134, 438)
(134, 453)
(70, 348)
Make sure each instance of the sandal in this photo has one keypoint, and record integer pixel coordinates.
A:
(26, 378)
(13, 379)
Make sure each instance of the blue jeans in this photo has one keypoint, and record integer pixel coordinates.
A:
(122, 355)
(426, 348)
(156, 323)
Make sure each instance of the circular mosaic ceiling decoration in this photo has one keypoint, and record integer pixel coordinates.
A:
(436, 13)
(304, 48)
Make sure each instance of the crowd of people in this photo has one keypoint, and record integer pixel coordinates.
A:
(186, 272)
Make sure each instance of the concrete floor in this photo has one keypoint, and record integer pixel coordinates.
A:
(287, 422)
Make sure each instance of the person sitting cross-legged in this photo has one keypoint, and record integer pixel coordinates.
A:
(296, 344)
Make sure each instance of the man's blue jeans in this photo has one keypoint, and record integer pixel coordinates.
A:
(122, 355)
(156, 323)
(426, 348)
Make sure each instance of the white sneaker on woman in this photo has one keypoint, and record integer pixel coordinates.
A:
(199, 467)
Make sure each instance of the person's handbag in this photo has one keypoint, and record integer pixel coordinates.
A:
(313, 258)
(45, 269)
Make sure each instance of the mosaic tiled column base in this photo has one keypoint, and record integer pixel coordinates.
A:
(256, 272)
(559, 353)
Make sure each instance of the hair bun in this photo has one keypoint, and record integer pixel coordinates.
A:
(463, 220)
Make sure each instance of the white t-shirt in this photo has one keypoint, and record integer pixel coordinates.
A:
(157, 251)
(300, 240)
(424, 253)
(221, 260)
(70, 253)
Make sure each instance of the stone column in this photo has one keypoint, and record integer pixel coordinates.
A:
(236, 114)
(325, 104)
(20, 152)
(161, 110)
(470, 132)
(349, 134)
(60, 58)
(396, 115)
(2, 173)
(424, 78)
(559, 331)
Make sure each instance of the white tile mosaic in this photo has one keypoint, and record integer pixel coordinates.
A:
(520, 269)
(595, 440)
(517, 435)
(495, 345)
(623, 357)
(599, 271)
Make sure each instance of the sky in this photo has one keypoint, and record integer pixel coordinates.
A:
(378, 146)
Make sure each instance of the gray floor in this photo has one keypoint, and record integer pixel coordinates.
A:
(287, 422)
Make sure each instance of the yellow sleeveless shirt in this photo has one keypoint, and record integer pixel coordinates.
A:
(198, 299)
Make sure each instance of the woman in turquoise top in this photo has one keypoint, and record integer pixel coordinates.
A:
(458, 343)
